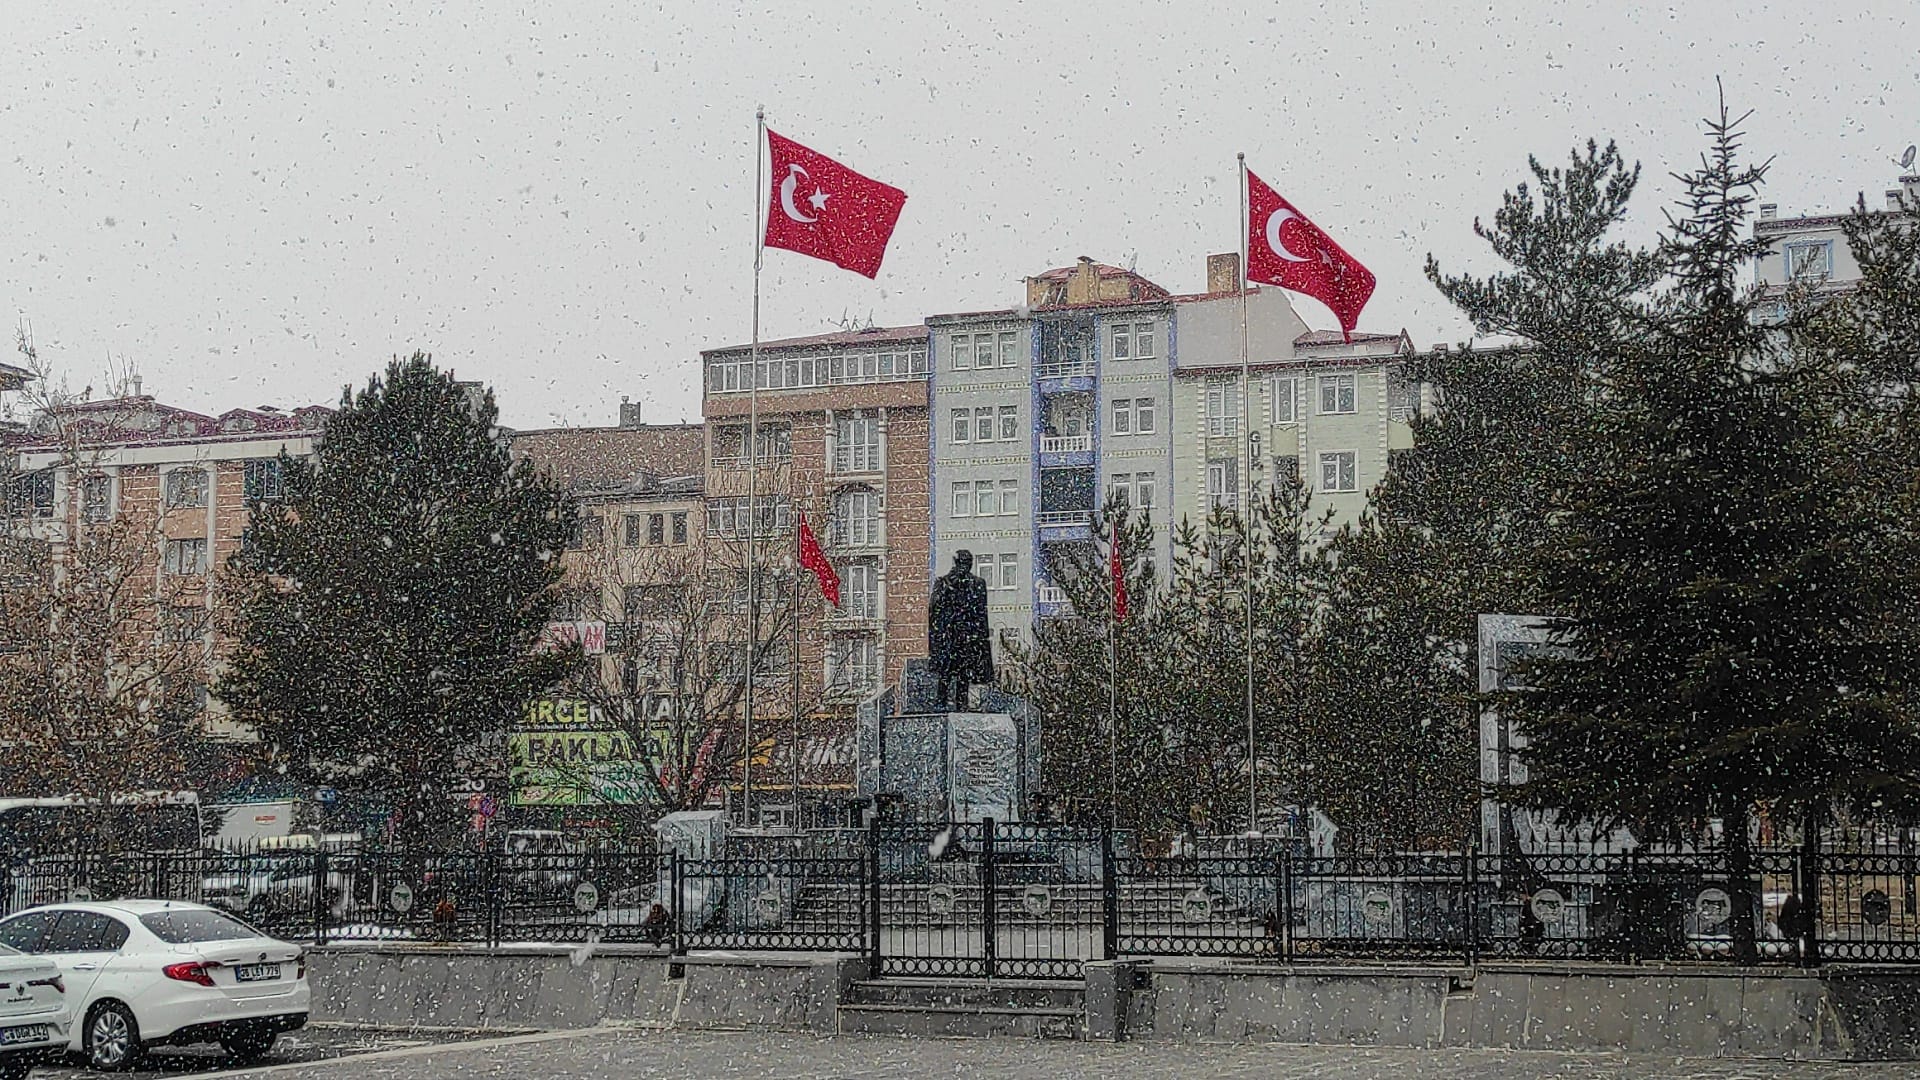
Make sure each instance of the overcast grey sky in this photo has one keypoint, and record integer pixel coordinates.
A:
(258, 203)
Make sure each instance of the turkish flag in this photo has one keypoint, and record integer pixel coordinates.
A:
(1117, 573)
(812, 558)
(821, 208)
(1285, 249)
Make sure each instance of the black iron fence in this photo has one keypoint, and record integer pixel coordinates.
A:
(978, 899)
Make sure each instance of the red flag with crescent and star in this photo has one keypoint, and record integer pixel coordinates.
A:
(821, 208)
(812, 558)
(1285, 249)
(1117, 573)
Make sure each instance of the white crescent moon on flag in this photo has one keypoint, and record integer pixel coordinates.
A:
(794, 173)
(1274, 221)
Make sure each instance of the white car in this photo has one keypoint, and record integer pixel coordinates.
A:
(145, 972)
(33, 1012)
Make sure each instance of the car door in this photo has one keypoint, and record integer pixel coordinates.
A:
(82, 943)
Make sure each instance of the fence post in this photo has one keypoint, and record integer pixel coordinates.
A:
(676, 884)
(989, 915)
(1810, 891)
(495, 892)
(320, 895)
(1109, 898)
(870, 870)
(1471, 922)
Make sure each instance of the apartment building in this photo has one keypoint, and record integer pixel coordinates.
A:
(185, 478)
(1812, 249)
(842, 437)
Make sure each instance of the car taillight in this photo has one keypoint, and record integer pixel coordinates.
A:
(300, 966)
(59, 984)
(200, 974)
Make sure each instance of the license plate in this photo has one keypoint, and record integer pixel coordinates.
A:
(29, 1033)
(256, 972)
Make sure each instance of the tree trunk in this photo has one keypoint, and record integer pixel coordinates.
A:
(1740, 886)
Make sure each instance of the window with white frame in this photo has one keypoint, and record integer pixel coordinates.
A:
(1337, 471)
(860, 589)
(988, 567)
(983, 424)
(853, 662)
(983, 351)
(1009, 423)
(96, 498)
(856, 442)
(1143, 341)
(1223, 483)
(187, 557)
(30, 495)
(963, 498)
(962, 425)
(1337, 393)
(186, 487)
(1809, 259)
(1132, 341)
(1143, 419)
(1009, 570)
(1220, 404)
(1122, 416)
(960, 356)
(986, 499)
(1120, 488)
(1009, 498)
(1143, 491)
(856, 518)
(1281, 392)
(1009, 348)
(729, 517)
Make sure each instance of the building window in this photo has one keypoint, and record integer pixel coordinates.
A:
(1336, 472)
(986, 499)
(1009, 423)
(589, 531)
(1280, 397)
(774, 442)
(1009, 498)
(1143, 493)
(1123, 416)
(1120, 488)
(96, 498)
(630, 530)
(656, 529)
(1809, 259)
(1009, 344)
(853, 662)
(640, 603)
(680, 528)
(856, 442)
(187, 557)
(1143, 419)
(1221, 407)
(187, 487)
(1336, 393)
(31, 494)
(962, 425)
(182, 624)
(860, 589)
(728, 517)
(1223, 484)
(961, 355)
(1133, 341)
(264, 479)
(856, 518)
(963, 498)
(983, 424)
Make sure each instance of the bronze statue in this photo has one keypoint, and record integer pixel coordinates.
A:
(959, 647)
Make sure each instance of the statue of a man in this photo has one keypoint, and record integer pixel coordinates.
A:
(958, 642)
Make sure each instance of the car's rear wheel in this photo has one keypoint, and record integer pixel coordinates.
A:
(247, 1044)
(112, 1038)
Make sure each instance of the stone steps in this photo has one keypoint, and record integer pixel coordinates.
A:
(966, 1009)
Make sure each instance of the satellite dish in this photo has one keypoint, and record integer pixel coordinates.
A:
(1906, 159)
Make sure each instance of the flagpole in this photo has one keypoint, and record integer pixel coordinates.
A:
(753, 460)
(793, 659)
(1113, 688)
(1246, 510)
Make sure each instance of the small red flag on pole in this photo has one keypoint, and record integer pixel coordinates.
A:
(1285, 249)
(1117, 573)
(821, 208)
(812, 558)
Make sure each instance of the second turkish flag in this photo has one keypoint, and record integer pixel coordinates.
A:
(821, 208)
(1285, 249)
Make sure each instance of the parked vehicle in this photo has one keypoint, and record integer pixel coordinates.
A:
(33, 1012)
(144, 972)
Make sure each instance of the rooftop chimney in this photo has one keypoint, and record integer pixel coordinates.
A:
(1769, 211)
(136, 386)
(630, 413)
(1223, 272)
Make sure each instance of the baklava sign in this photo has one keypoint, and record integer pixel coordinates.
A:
(566, 753)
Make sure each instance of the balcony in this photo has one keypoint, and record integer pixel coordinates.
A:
(1065, 369)
(1066, 444)
(1057, 525)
